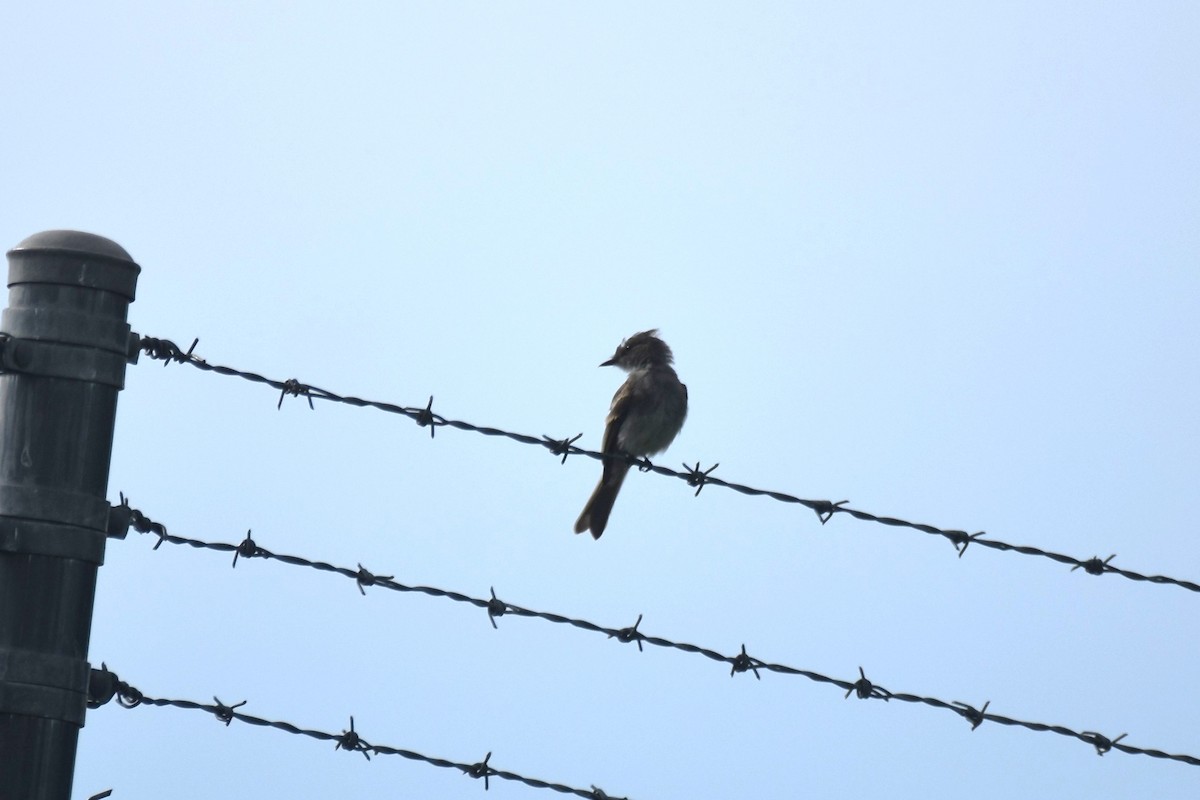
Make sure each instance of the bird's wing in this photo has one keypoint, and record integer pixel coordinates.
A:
(617, 412)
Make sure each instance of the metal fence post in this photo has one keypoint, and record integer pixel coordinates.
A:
(64, 345)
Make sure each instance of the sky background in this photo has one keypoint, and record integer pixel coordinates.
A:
(940, 259)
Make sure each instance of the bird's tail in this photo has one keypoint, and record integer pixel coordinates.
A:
(599, 505)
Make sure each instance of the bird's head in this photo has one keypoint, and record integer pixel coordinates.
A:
(643, 349)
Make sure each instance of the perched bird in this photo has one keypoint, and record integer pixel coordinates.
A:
(646, 414)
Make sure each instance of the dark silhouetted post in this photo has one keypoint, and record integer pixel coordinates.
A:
(64, 345)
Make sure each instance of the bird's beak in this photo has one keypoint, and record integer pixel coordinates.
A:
(608, 363)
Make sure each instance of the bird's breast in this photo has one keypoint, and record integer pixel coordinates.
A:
(654, 420)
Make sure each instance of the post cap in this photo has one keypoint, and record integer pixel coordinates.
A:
(73, 242)
(73, 258)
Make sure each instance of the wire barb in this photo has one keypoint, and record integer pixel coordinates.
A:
(225, 713)
(973, 715)
(295, 388)
(426, 417)
(696, 477)
(744, 663)
(495, 608)
(561, 447)
(864, 690)
(1102, 743)
(482, 770)
(246, 549)
(960, 540)
(627, 635)
(825, 509)
(351, 741)
(365, 578)
(1094, 566)
(139, 522)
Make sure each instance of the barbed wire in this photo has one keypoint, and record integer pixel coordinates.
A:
(862, 688)
(168, 352)
(104, 685)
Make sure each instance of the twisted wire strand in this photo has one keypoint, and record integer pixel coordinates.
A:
(863, 688)
(168, 352)
(349, 740)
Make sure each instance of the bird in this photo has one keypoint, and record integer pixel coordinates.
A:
(646, 414)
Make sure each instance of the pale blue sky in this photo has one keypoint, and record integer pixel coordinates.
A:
(941, 260)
